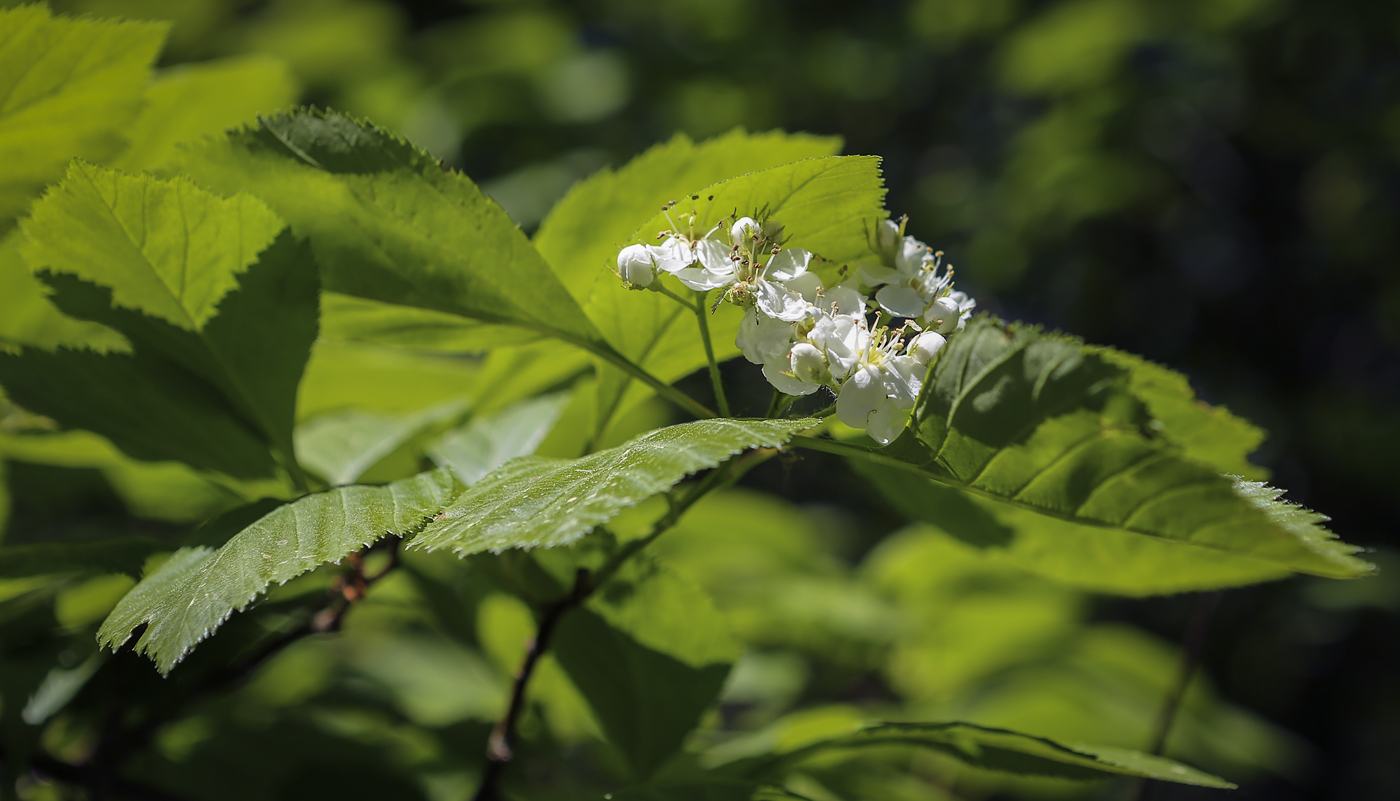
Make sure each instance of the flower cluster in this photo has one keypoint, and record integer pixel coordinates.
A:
(872, 353)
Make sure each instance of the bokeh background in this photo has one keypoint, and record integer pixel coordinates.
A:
(1214, 184)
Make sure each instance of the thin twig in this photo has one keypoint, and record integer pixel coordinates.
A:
(500, 748)
(1192, 644)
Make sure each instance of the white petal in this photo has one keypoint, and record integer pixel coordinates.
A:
(788, 264)
(900, 300)
(714, 256)
(701, 280)
(887, 236)
(874, 275)
(859, 397)
(809, 363)
(910, 260)
(942, 315)
(903, 377)
(885, 423)
(807, 285)
(762, 339)
(636, 265)
(926, 345)
(672, 255)
(776, 300)
(846, 299)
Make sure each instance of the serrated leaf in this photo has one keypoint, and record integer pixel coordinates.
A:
(536, 502)
(1208, 434)
(388, 223)
(227, 390)
(999, 750)
(1038, 422)
(190, 101)
(72, 85)
(581, 235)
(486, 443)
(200, 586)
(1097, 559)
(827, 205)
(164, 248)
(651, 653)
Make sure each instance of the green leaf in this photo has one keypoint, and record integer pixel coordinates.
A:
(999, 750)
(388, 223)
(1099, 559)
(28, 317)
(536, 502)
(1038, 422)
(650, 653)
(164, 248)
(197, 589)
(196, 100)
(72, 86)
(827, 206)
(149, 408)
(1207, 434)
(351, 319)
(580, 243)
(486, 443)
(343, 446)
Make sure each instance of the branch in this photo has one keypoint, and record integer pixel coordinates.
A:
(500, 748)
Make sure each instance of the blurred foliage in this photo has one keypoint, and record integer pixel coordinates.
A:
(1212, 183)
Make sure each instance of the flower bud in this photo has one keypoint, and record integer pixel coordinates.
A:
(925, 346)
(636, 266)
(809, 364)
(741, 228)
(943, 315)
(887, 240)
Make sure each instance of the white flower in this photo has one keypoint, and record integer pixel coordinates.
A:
(773, 296)
(743, 227)
(763, 339)
(717, 267)
(878, 396)
(809, 364)
(949, 313)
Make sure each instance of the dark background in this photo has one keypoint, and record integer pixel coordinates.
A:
(1210, 183)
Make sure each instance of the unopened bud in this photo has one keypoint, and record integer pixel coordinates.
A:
(942, 316)
(888, 239)
(741, 228)
(636, 266)
(925, 346)
(809, 364)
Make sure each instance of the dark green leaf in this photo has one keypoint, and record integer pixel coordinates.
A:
(114, 555)
(999, 750)
(650, 653)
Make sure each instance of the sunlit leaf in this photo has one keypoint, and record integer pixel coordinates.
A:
(72, 85)
(1035, 421)
(190, 101)
(341, 447)
(388, 223)
(537, 502)
(486, 443)
(197, 589)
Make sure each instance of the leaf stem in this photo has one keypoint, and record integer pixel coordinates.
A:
(715, 379)
(662, 388)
